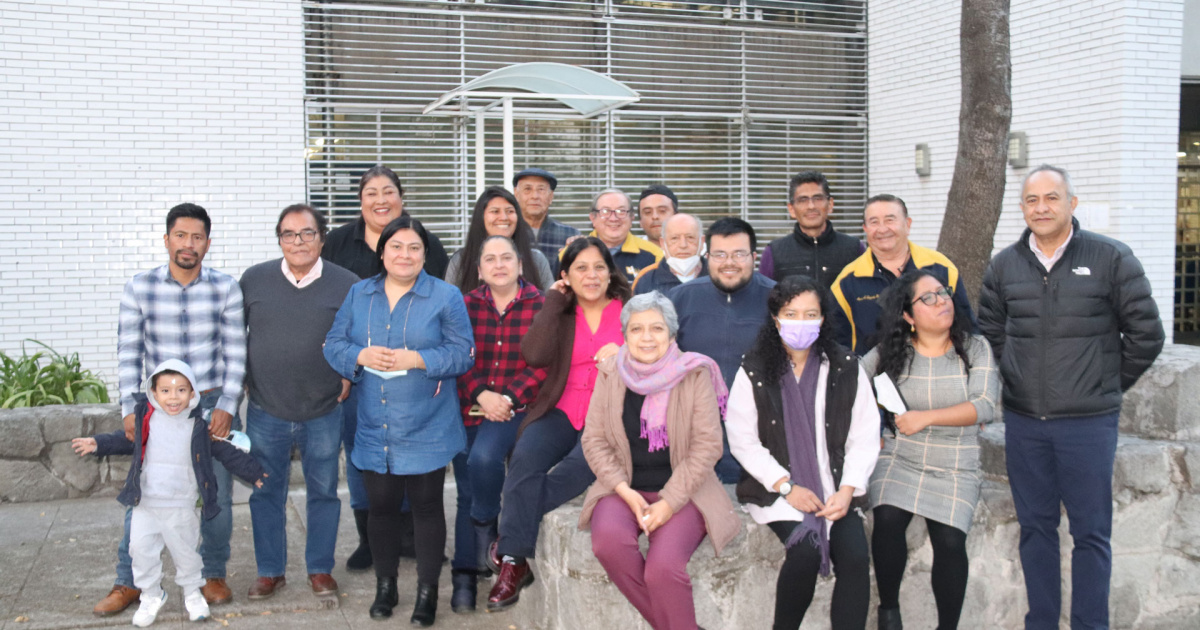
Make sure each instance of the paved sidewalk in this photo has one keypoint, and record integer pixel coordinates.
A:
(57, 559)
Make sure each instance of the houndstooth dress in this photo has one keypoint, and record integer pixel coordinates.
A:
(934, 473)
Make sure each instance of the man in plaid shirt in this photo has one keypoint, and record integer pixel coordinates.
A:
(497, 388)
(534, 189)
(184, 311)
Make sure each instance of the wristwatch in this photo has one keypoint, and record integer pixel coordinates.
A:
(785, 488)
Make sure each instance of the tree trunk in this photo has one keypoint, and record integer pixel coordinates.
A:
(977, 189)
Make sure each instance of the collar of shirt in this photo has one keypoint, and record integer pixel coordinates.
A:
(164, 275)
(1048, 261)
(309, 278)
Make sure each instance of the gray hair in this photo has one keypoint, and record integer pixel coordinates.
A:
(651, 301)
(611, 191)
(1041, 168)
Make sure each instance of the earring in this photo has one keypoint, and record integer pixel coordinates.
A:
(912, 328)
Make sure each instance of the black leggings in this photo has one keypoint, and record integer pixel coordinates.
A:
(385, 493)
(889, 545)
(798, 576)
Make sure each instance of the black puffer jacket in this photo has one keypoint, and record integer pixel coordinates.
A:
(1069, 341)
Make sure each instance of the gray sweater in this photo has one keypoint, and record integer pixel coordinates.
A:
(286, 372)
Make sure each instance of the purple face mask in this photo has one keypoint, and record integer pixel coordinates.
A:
(799, 334)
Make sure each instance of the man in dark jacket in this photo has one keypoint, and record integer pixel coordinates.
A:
(1072, 321)
(814, 248)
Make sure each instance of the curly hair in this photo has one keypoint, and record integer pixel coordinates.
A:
(895, 333)
(769, 346)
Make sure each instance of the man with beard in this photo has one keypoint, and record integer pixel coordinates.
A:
(889, 254)
(184, 311)
(721, 318)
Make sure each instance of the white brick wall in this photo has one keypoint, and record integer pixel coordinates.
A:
(1095, 85)
(112, 112)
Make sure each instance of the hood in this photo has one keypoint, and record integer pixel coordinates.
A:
(174, 365)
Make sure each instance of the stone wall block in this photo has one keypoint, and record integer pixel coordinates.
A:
(102, 418)
(60, 423)
(79, 473)
(1143, 467)
(1189, 465)
(1140, 525)
(23, 481)
(991, 451)
(1163, 404)
(21, 433)
(1183, 533)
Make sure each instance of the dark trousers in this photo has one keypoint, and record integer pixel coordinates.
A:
(798, 576)
(385, 492)
(547, 469)
(1063, 462)
(479, 479)
(889, 546)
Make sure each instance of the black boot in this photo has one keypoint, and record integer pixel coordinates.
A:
(425, 610)
(408, 546)
(463, 598)
(485, 535)
(360, 560)
(889, 619)
(386, 598)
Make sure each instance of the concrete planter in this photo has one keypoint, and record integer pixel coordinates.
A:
(36, 460)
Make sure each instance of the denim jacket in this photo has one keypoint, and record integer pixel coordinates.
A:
(410, 424)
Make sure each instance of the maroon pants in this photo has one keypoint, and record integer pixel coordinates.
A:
(663, 571)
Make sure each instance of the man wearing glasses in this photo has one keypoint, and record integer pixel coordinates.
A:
(721, 318)
(612, 222)
(295, 396)
(814, 248)
(889, 254)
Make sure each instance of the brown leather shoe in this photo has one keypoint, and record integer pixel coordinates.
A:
(264, 587)
(322, 583)
(117, 600)
(507, 590)
(216, 592)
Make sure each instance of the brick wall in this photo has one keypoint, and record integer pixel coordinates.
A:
(1095, 85)
(111, 113)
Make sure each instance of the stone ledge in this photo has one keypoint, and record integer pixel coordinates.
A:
(1163, 404)
(36, 460)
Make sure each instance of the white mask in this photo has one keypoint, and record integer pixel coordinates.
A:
(687, 267)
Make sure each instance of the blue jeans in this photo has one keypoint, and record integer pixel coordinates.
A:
(271, 441)
(1066, 461)
(214, 533)
(547, 469)
(479, 476)
(354, 480)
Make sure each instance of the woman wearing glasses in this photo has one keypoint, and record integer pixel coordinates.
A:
(929, 465)
(404, 337)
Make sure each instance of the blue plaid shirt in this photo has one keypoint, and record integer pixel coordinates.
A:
(552, 237)
(200, 324)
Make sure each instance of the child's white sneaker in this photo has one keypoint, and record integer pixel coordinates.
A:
(196, 605)
(149, 608)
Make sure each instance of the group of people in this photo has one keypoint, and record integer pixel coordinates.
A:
(543, 363)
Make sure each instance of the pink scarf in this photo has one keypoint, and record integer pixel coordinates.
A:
(656, 380)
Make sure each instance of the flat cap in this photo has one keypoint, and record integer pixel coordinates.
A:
(536, 172)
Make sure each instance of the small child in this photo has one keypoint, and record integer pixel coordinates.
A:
(171, 469)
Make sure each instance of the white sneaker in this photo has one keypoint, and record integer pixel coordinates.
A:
(148, 609)
(196, 605)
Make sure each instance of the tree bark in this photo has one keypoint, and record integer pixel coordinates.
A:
(977, 189)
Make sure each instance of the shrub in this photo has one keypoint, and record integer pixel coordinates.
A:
(25, 382)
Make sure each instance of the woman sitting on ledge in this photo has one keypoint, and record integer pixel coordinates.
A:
(652, 436)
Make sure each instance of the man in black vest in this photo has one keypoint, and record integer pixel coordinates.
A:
(814, 248)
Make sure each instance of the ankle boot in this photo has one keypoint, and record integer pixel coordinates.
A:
(465, 591)
(485, 535)
(425, 610)
(360, 560)
(386, 598)
(889, 619)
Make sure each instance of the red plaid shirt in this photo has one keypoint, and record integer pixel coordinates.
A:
(499, 366)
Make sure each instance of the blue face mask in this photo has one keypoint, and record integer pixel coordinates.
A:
(239, 440)
(799, 334)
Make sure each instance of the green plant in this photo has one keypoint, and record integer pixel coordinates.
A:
(25, 382)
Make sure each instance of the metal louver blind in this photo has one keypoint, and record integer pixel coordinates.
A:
(735, 99)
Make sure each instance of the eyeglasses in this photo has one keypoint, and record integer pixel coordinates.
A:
(740, 256)
(931, 298)
(604, 213)
(303, 236)
(816, 199)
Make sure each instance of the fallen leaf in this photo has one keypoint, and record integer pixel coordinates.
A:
(70, 540)
(223, 622)
(265, 613)
(21, 619)
(77, 597)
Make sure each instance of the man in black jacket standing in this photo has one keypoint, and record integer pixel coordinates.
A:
(814, 248)
(1070, 317)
